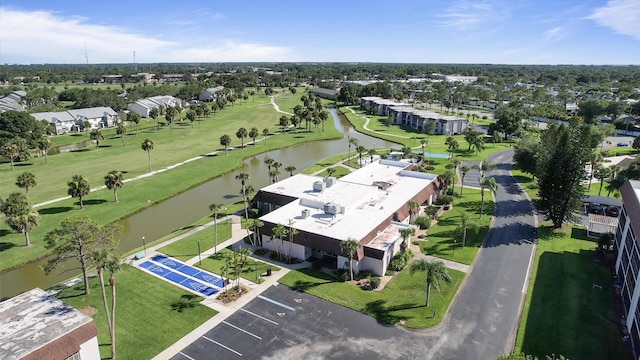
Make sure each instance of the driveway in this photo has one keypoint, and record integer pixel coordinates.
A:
(484, 319)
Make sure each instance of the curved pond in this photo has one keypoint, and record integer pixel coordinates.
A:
(186, 208)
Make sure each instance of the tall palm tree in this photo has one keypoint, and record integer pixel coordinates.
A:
(488, 183)
(331, 171)
(122, 131)
(463, 170)
(24, 222)
(269, 161)
(106, 259)
(242, 134)
(423, 143)
(371, 152)
(225, 141)
(466, 225)
(485, 166)
(215, 209)
(45, 145)
(406, 234)
(155, 113)
(350, 246)
(280, 231)
(253, 134)
(265, 132)
(414, 207)
(25, 181)
(360, 149)
(147, 145)
(601, 173)
(276, 167)
(113, 180)
(436, 272)
(290, 169)
(292, 232)
(244, 178)
(351, 141)
(447, 178)
(595, 159)
(78, 187)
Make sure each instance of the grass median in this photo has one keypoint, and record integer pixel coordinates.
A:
(144, 305)
(401, 302)
(187, 247)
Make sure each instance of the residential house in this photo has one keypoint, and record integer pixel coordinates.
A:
(13, 101)
(210, 94)
(368, 205)
(35, 325)
(74, 120)
(627, 265)
(62, 121)
(143, 106)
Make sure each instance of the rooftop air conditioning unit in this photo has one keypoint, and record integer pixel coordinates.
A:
(305, 213)
(329, 181)
(319, 186)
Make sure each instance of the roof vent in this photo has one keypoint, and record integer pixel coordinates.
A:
(305, 213)
(333, 209)
(319, 186)
(329, 180)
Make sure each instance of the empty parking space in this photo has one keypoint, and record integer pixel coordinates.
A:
(284, 323)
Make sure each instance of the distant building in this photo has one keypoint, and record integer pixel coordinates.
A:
(628, 259)
(112, 79)
(143, 106)
(13, 101)
(35, 325)
(369, 205)
(74, 120)
(210, 94)
(325, 93)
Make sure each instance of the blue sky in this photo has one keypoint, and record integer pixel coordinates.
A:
(408, 31)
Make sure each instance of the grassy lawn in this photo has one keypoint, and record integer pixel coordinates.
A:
(145, 324)
(324, 163)
(526, 181)
(440, 240)
(187, 248)
(340, 172)
(216, 262)
(171, 147)
(564, 313)
(401, 301)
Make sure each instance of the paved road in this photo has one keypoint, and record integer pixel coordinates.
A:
(484, 319)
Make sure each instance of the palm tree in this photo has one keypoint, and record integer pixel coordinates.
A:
(490, 184)
(24, 222)
(225, 141)
(45, 145)
(406, 234)
(78, 187)
(215, 209)
(414, 207)
(147, 145)
(290, 169)
(122, 131)
(447, 178)
(25, 181)
(486, 166)
(113, 180)
(331, 171)
(351, 141)
(466, 225)
(279, 232)
(276, 168)
(155, 113)
(134, 118)
(601, 173)
(244, 178)
(96, 135)
(360, 149)
(423, 143)
(350, 246)
(105, 259)
(242, 134)
(265, 132)
(292, 232)
(269, 161)
(436, 272)
(595, 159)
(371, 152)
(464, 170)
(254, 133)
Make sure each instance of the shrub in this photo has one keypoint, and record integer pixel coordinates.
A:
(374, 282)
(342, 274)
(444, 200)
(484, 117)
(364, 274)
(390, 272)
(424, 222)
(317, 264)
(430, 167)
(400, 260)
(261, 251)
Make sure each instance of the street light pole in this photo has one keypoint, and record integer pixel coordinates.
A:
(144, 246)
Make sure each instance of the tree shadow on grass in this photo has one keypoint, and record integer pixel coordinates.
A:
(93, 202)
(54, 210)
(5, 245)
(186, 301)
(384, 314)
(81, 150)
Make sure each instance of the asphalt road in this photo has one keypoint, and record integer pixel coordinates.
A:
(484, 320)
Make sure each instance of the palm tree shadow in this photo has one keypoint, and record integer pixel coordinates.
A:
(54, 210)
(384, 314)
(5, 245)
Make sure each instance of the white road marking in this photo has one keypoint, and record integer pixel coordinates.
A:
(187, 356)
(222, 346)
(244, 331)
(526, 277)
(258, 316)
(276, 303)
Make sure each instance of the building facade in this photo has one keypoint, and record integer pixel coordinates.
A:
(628, 260)
(369, 205)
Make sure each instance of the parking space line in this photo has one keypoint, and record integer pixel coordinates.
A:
(244, 331)
(276, 303)
(222, 346)
(258, 316)
(187, 356)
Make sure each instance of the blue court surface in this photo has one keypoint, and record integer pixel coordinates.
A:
(189, 270)
(192, 284)
(432, 155)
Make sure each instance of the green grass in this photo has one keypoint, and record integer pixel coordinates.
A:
(324, 163)
(187, 247)
(440, 240)
(170, 147)
(401, 301)
(563, 312)
(526, 181)
(340, 172)
(145, 305)
(216, 262)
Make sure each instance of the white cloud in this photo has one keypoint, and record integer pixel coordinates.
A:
(557, 33)
(464, 15)
(623, 16)
(46, 37)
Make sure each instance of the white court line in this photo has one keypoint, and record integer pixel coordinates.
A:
(187, 356)
(258, 316)
(222, 346)
(244, 331)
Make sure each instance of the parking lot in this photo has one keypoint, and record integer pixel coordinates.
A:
(286, 324)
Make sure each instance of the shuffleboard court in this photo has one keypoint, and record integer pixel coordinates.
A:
(192, 284)
(189, 270)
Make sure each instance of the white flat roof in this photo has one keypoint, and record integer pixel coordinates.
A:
(365, 204)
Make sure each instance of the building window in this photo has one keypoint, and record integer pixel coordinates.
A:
(75, 356)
